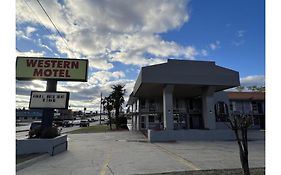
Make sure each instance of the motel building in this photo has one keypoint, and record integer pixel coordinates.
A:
(179, 100)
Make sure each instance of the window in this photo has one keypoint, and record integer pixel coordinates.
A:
(221, 112)
(231, 107)
(142, 103)
(152, 105)
(191, 104)
(257, 107)
(151, 119)
(176, 103)
(222, 108)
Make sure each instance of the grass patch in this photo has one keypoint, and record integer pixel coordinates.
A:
(93, 129)
(25, 157)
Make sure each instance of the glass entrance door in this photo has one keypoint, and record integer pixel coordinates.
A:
(180, 121)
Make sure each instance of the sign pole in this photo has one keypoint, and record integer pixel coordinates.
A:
(48, 114)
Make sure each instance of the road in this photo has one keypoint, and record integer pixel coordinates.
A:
(21, 135)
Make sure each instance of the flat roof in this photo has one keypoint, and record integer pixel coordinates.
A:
(246, 95)
(189, 78)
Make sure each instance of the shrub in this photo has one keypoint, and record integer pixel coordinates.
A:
(44, 133)
(121, 122)
(50, 132)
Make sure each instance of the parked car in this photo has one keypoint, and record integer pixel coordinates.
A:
(84, 123)
(67, 123)
(58, 122)
(76, 122)
(35, 127)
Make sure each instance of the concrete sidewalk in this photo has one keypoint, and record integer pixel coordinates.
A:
(126, 153)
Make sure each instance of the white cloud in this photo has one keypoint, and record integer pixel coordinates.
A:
(253, 80)
(240, 33)
(238, 43)
(29, 30)
(129, 16)
(102, 28)
(30, 11)
(22, 101)
(105, 32)
(214, 45)
(204, 52)
(104, 76)
(30, 53)
(239, 38)
(101, 64)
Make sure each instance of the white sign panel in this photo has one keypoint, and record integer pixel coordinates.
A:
(56, 100)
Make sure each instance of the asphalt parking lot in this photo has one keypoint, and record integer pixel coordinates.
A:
(127, 152)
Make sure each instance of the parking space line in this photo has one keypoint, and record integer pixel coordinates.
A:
(178, 158)
(106, 162)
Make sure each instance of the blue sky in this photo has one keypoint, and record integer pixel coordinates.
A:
(238, 26)
(119, 37)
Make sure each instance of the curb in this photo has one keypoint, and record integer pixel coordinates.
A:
(30, 162)
(22, 130)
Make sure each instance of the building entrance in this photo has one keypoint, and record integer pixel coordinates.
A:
(180, 121)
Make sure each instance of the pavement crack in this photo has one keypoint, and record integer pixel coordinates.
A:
(110, 169)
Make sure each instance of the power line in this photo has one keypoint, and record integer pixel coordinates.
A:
(32, 11)
(55, 26)
(37, 17)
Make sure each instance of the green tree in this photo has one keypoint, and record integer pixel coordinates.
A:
(256, 88)
(252, 88)
(118, 99)
(261, 89)
(107, 103)
(240, 88)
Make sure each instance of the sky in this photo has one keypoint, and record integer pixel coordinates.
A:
(119, 37)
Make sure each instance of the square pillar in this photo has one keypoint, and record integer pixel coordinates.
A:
(168, 107)
(208, 112)
(137, 122)
(134, 122)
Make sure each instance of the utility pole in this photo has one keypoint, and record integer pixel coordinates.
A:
(100, 106)
(84, 112)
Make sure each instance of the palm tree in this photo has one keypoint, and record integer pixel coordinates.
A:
(107, 103)
(118, 97)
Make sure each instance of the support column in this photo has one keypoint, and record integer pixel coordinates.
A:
(133, 122)
(168, 107)
(208, 113)
(138, 122)
(48, 114)
(146, 122)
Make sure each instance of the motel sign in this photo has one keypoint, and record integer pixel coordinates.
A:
(29, 68)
